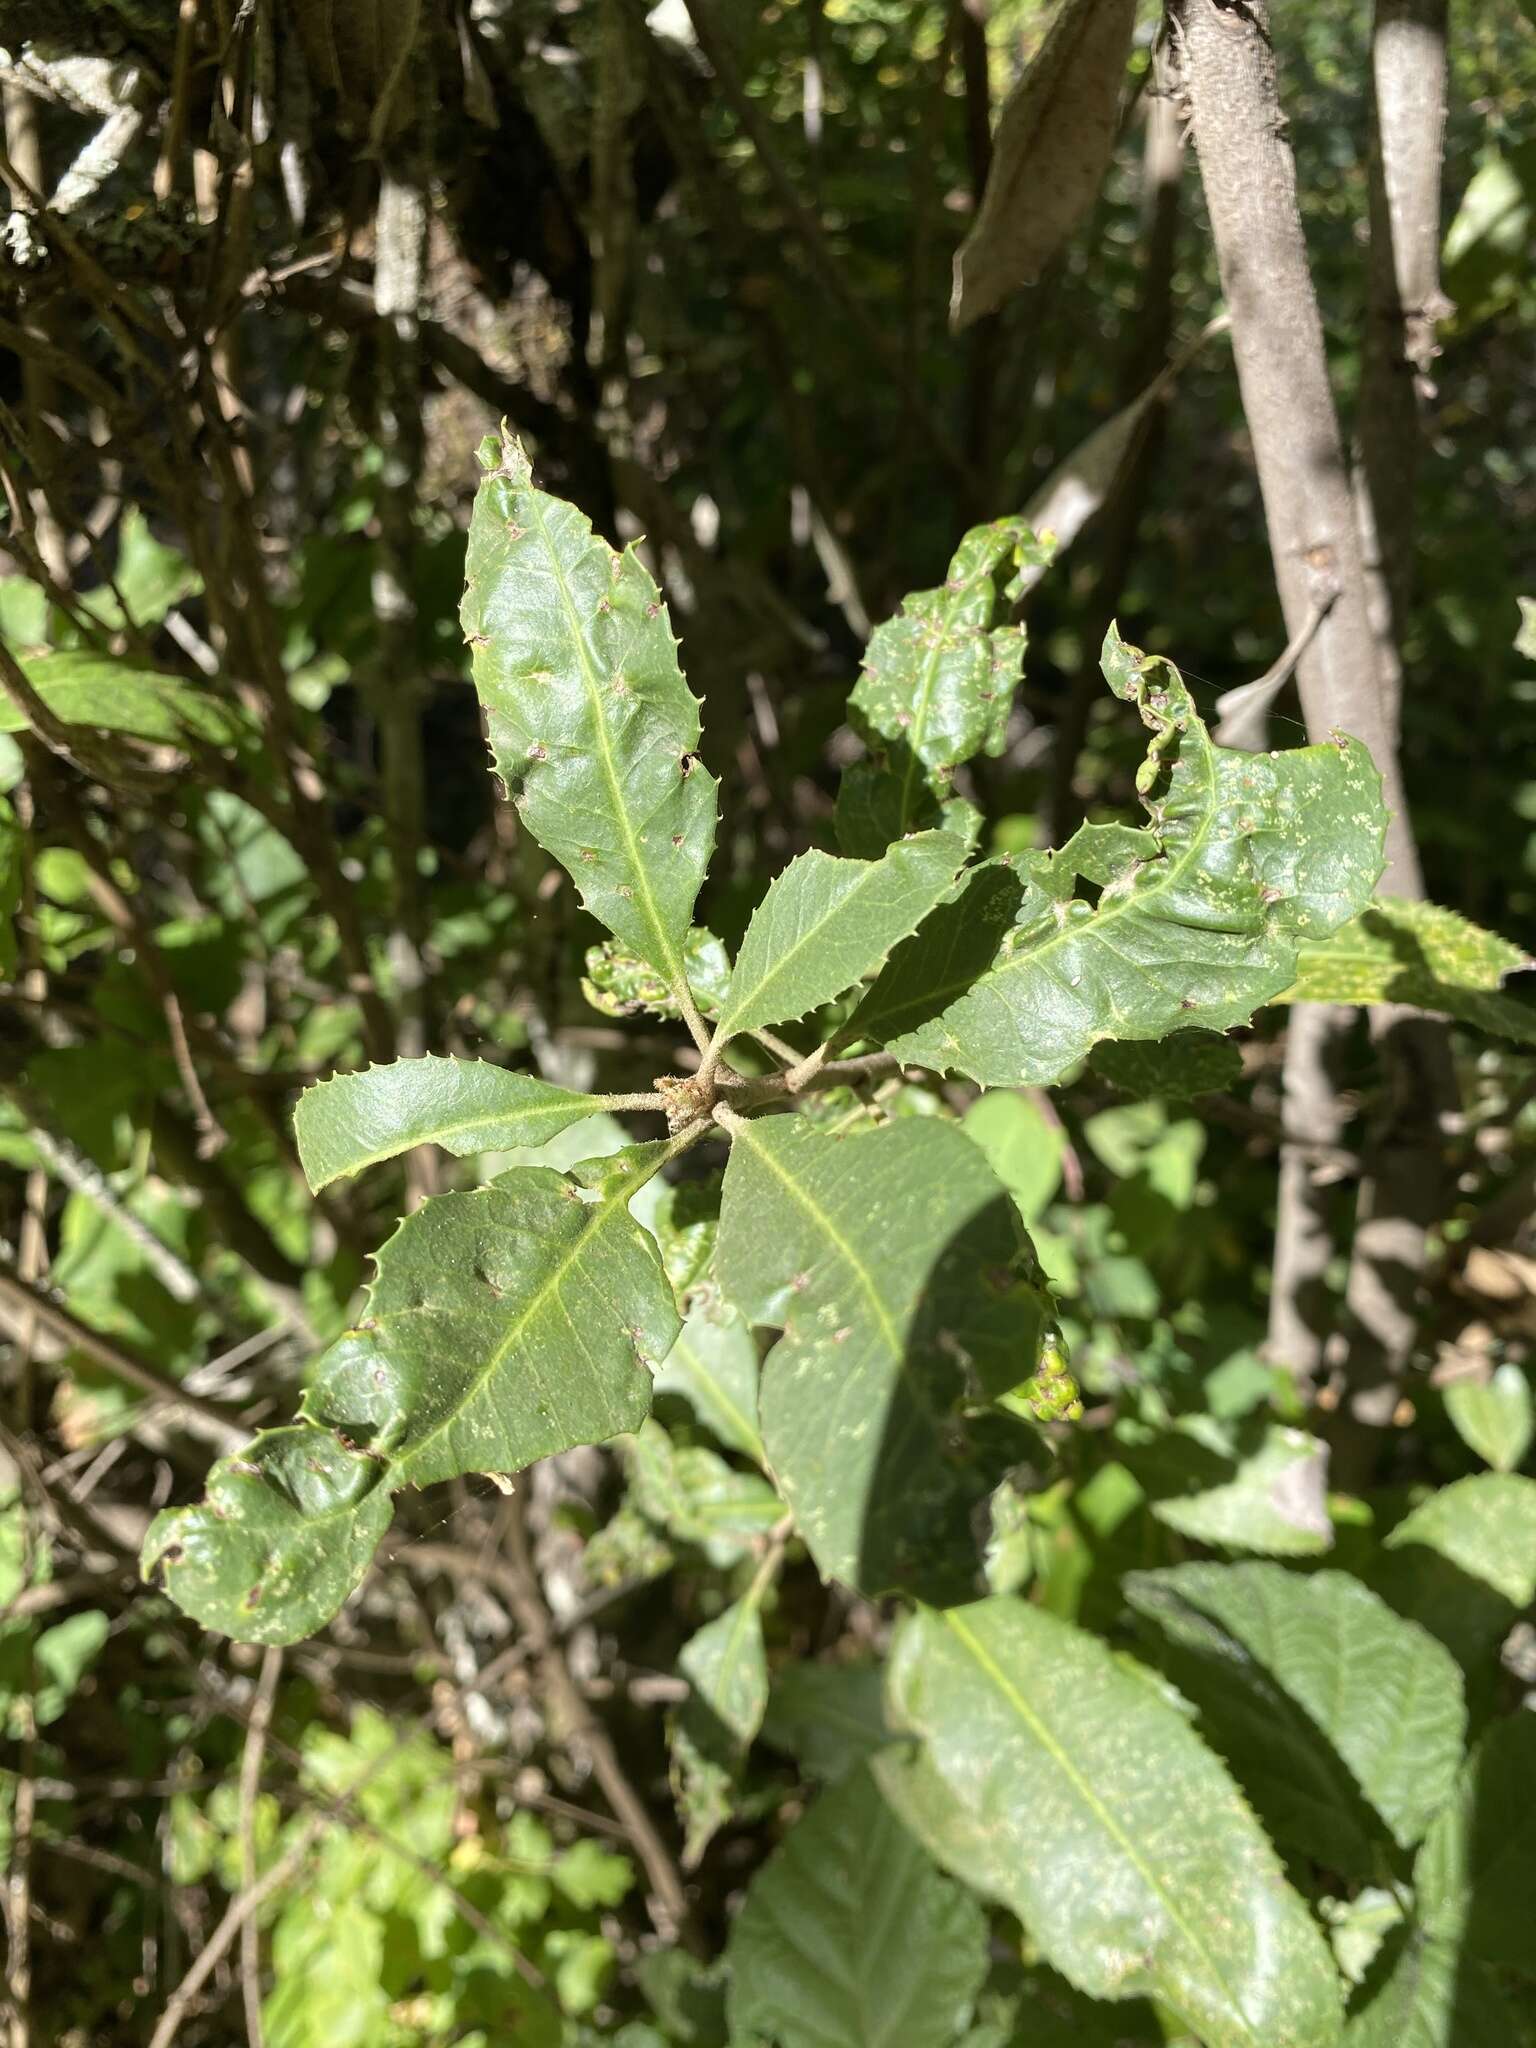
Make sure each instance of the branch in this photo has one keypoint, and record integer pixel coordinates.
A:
(521, 1586)
(204, 1418)
(250, 1786)
(1403, 303)
(240, 1909)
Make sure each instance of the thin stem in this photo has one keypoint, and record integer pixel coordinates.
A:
(250, 1786)
(643, 1100)
(803, 1072)
(752, 1093)
(698, 1030)
(533, 1618)
(779, 1047)
(240, 1909)
(209, 1419)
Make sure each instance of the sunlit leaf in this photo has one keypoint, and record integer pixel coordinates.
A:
(726, 1667)
(1485, 1526)
(592, 727)
(1347, 1671)
(353, 1121)
(1401, 952)
(826, 923)
(116, 696)
(1494, 1417)
(504, 1324)
(1070, 1790)
(936, 688)
(1191, 921)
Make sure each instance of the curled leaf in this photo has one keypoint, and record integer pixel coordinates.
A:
(1049, 155)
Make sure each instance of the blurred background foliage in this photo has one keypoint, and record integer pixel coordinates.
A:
(241, 376)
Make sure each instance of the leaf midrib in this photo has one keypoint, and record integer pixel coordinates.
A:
(930, 672)
(861, 1272)
(991, 1669)
(670, 960)
(1089, 927)
(440, 1133)
(727, 1401)
(548, 1290)
(875, 870)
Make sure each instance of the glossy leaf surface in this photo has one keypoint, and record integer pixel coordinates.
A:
(826, 923)
(353, 1121)
(504, 1324)
(1195, 919)
(936, 688)
(1401, 952)
(1071, 1790)
(592, 726)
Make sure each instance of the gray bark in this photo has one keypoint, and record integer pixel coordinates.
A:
(1249, 175)
(1350, 675)
(1404, 303)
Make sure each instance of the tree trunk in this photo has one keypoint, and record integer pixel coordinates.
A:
(1405, 1184)
(1249, 177)
(1403, 303)
(1350, 677)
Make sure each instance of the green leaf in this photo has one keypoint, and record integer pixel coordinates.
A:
(726, 1667)
(826, 923)
(114, 696)
(1268, 1495)
(1476, 1874)
(1189, 1063)
(895, 1265)
(1494, 1417)
(286, 1531)
(504, 1324)
(713, 1367)
(687, 1996)
(1023, 1148)
(1072, 1791)
(850, 1938)
(1401, 952)
(1485, 1526)
(828, 1717)
(1434, 1998)
(619, 984)
(1385, 1696)
(1194, 920)
(354, 1120)
(149, 578)
(698, 1498)
(1474, 1878)
(936, 688)
(592, 727)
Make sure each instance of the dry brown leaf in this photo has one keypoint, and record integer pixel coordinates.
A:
(1052, 145)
